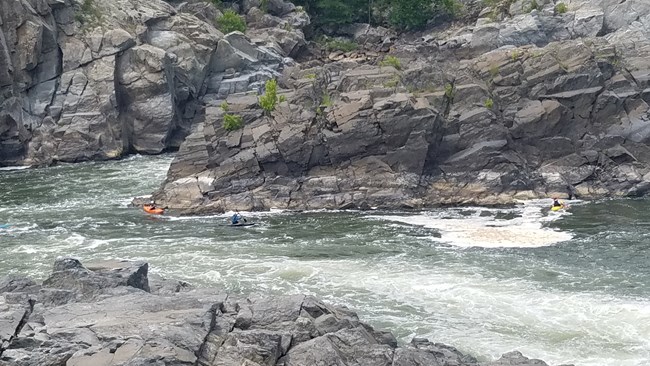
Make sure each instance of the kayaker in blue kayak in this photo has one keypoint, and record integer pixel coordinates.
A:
(236, 218)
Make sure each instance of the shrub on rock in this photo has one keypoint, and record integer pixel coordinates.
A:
(230, 21)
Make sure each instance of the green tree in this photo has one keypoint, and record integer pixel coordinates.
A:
(411, 14)
(401, 14)
(336, 12)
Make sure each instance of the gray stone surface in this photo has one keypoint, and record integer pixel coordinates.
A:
(103, 80)
(122, 325)
(484, 114)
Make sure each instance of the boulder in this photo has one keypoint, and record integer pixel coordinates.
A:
(199, 326)
(89, 282)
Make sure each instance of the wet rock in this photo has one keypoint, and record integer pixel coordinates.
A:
(89, 282)
(199, 327)
(15, 283)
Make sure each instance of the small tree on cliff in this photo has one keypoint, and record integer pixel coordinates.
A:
(269, 100)
(230, 21)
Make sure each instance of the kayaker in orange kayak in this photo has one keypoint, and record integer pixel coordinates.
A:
(153, 209)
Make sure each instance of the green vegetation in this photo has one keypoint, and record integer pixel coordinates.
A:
(391, 61)
(410, 14)
(400, 14)
(230, 21)
(489, 103)
(282, 99)
(264, 6)
(232, 122)
(311, 76)
(561, 8)
(269, 100)
(499, 8)
(392, 83)
(326, 101)
(533, 6)
(494, 70)
(88, 13)
(515, 55)
(335, 44)
(454, 7)
(449, 91)
(224, 106)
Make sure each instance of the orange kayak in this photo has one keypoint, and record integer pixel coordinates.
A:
(153, 210)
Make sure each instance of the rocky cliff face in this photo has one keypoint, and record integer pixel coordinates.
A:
(83, 80)
(535, 99)
(114, 313)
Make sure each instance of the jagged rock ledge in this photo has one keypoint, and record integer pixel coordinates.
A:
(115, 313)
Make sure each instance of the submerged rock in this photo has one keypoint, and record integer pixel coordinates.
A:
(123, 324)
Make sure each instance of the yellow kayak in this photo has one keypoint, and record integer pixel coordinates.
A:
(557, 208)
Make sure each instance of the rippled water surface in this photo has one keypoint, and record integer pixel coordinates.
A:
(572, 287)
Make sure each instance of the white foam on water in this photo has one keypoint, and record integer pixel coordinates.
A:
(97, 243)
(526, 230)
(192, 218)
(480, 316)
(18, 228)
(10, 168)
(227, 215)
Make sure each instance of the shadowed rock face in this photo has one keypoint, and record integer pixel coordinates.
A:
(112, 319)
(560, 109)
(95, 80)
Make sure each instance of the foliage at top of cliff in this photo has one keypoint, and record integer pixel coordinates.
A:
(399, 14)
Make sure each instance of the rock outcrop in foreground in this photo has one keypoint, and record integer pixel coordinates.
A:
(114, 313)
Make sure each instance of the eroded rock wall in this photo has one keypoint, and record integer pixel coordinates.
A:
(546, 103)
(93, 80)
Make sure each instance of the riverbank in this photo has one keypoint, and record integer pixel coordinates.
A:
(113, 313)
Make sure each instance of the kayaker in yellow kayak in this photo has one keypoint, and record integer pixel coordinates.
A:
(557, 204)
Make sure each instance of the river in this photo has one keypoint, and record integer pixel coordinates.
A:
(569, 287)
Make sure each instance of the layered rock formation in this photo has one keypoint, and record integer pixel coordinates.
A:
(92, 80)
(113, 313)
(535, 99)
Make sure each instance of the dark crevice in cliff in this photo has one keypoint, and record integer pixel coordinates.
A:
(121, 101)
(23, 321)
(57, 85)
(214, 309)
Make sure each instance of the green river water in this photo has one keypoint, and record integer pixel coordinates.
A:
(572, 287)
